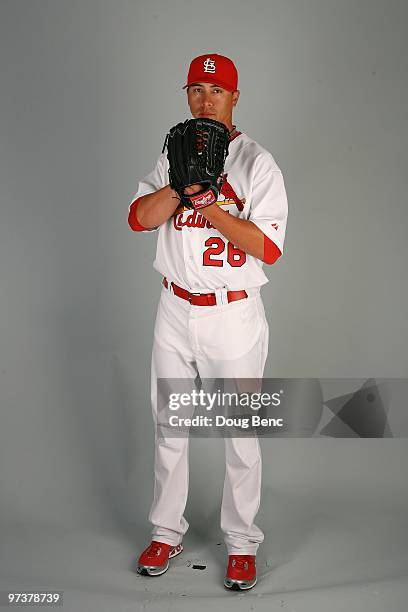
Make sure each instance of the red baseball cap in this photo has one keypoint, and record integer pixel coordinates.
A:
(213, 68)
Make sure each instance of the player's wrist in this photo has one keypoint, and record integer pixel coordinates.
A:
(173, 196)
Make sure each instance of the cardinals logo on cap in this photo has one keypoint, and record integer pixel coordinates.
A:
(209, 65)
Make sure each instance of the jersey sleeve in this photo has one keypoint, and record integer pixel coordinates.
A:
(269, 205)
(155, 180)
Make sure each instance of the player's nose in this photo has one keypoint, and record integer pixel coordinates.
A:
(207, 108)
(207, 102)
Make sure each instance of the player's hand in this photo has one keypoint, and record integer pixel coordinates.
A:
(193, 189)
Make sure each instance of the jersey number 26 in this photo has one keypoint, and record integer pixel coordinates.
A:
(216, 245)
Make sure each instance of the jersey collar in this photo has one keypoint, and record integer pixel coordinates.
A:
(234, 133)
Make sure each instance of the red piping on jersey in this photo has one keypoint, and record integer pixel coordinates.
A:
(271, 251)
(132, 219)
(235, 135)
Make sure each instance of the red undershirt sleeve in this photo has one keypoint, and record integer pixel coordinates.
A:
(271, 251)
(132, 219)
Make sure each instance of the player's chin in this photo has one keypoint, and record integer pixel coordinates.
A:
(208, 115)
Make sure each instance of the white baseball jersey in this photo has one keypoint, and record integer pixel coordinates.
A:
(195, 255)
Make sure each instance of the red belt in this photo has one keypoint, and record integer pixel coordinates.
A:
(204, 299)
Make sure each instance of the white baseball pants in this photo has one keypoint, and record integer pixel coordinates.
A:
(221, 341)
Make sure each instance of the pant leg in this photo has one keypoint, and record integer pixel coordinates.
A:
(233, 343)
(171, 358)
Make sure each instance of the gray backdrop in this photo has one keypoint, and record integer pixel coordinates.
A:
(88, 90)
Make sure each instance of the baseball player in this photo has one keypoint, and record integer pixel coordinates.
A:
(210, 319)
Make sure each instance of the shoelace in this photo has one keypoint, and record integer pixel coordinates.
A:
(240, 562)
(155, 549)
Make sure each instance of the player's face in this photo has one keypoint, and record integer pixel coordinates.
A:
(208, 100)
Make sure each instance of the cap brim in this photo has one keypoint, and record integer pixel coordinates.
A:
(219, 83)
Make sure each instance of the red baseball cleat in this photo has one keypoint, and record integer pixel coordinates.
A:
(241, 572)
(154, 560)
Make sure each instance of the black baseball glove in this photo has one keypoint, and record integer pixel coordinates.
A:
(197, 150)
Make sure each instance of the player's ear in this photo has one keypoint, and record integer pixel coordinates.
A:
(235, 96)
